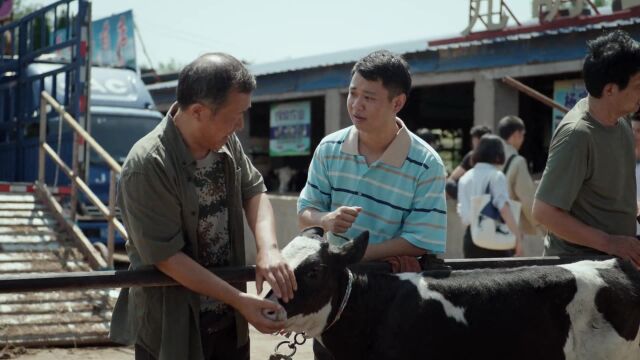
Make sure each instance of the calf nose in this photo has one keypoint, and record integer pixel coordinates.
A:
(272, 314)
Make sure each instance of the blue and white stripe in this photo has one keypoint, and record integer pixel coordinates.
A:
(406, 201)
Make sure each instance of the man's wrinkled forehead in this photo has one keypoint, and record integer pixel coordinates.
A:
(299, 249)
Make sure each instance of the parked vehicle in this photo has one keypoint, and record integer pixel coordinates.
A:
(118, 112)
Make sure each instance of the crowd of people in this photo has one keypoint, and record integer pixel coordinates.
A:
(184, 188)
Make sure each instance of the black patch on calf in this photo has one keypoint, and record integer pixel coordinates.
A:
(619, 300)
(507, 310)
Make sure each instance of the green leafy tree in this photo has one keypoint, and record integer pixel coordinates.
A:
(170, 66)
(20, 10)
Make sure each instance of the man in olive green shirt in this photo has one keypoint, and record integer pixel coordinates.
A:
(182, 193)
(586, 197)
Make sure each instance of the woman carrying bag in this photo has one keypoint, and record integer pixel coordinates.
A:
(484, 205)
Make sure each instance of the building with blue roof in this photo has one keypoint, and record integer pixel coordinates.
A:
(457, 83)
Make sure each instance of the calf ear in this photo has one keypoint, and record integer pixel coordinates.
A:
(353, 251)
(313, 232)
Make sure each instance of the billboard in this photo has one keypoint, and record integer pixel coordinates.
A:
(290, 129)
(567, 93)
(113, 41)
(6, 6)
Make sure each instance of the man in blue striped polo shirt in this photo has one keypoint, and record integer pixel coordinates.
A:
(377, 175)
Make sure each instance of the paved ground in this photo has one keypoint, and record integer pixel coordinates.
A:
(261, 347)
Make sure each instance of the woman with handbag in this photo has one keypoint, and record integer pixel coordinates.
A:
(484, 205)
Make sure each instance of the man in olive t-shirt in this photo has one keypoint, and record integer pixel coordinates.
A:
(586, 197)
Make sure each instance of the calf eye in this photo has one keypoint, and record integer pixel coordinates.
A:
(314, 272)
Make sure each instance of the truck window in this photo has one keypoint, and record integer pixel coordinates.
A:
(117, 134)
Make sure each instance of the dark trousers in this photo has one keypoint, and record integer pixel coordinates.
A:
(219, 345)
(471, 250)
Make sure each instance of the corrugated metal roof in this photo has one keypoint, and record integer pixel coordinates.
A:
(536, 34)
(408, 47)
(335, 58)
(348, 56)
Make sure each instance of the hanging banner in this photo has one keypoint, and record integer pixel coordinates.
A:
(290, 131)
(6, 6)
(113, 41)
(567, 93)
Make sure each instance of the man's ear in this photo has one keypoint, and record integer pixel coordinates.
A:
(610, 89)
(197, 111)
(398, 102)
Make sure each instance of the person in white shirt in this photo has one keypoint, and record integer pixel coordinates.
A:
(487, 158)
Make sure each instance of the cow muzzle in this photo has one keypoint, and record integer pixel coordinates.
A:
(271, 314)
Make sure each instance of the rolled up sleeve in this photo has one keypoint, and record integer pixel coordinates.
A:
(152, 215)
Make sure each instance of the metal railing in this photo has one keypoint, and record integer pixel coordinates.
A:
(534, 94)
(81, 136)
(153, 277)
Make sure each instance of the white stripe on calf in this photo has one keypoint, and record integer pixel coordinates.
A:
(452, 311)
(311, 324)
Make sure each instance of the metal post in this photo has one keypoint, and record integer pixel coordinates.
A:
(74, 169)
(85, 40)
(43, 139)
(112, 214)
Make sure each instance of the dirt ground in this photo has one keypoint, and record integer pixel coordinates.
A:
(261, 347)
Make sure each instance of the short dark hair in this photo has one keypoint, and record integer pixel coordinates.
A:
(509, 125)
(489, 150)
(210, 78)
(479, 130)
(387, 67)
(612, 58)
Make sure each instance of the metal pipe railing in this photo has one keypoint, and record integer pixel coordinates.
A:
(153, 277)
(534, 93)
(81, 135)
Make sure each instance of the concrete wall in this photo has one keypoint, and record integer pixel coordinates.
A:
(284, 207)
(493, 100)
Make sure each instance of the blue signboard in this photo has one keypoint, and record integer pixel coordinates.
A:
(567, 93)
(290, 129)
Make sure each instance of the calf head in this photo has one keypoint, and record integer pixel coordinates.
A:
(320, 270)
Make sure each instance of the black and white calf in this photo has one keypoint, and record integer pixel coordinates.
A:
(584, 310)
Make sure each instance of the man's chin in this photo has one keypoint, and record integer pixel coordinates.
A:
(359, 124)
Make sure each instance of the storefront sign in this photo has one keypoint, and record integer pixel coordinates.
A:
(492, 15)
(567, 93)
(549, 9)
(290, 133)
